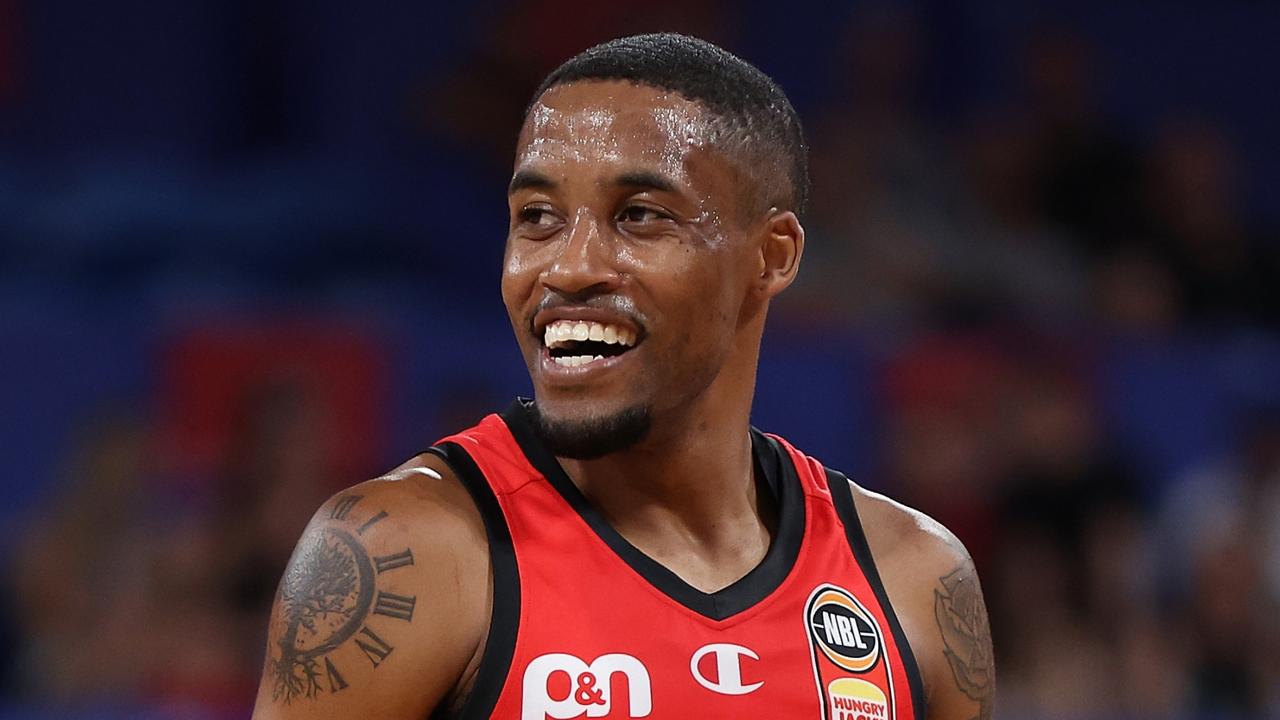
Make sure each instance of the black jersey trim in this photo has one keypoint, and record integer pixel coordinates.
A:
(842, 498)
(504, 621)
(771, 463)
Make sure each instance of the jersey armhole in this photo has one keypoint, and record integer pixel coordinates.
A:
(504, 621)
(842, 497)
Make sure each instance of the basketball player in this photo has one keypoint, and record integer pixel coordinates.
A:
(625, 545)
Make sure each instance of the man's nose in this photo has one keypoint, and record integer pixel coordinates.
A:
(584, 265)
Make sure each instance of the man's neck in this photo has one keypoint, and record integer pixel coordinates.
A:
(687, 497)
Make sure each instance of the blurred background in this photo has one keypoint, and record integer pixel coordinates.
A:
(249, 254)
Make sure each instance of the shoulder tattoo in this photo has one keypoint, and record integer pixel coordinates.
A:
(331, 615)
(961, 615)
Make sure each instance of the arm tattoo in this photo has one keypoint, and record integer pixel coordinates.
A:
(327, 597)
(962, 620)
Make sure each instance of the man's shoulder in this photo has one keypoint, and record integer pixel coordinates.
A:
(421, 500)
(933, 587)
(899, 533)
(390, 577)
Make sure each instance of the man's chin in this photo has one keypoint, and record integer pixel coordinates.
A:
(591, 436)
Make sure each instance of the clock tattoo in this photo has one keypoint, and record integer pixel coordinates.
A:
(327, 604)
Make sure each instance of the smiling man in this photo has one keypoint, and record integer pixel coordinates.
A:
(625, 544)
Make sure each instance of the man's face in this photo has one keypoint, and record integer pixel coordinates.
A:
(626, 262)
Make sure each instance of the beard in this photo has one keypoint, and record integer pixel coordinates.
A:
(594, 437)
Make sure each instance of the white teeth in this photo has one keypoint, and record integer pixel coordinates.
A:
(563, 331)
(576, 360)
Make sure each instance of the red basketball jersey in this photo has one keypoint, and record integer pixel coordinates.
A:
(586, 625)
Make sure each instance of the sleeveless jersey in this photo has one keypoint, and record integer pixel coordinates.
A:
(586, 625)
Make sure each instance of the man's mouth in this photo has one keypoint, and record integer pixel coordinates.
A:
(573, 343)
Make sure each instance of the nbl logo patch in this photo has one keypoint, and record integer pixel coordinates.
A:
(850, 666)
(843, 630)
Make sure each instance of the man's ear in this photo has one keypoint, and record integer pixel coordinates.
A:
(781, 246)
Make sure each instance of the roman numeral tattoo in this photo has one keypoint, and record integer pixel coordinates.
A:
(390, 562)
(371, 522)
(343, 507)
(395, 606)
(374, 647)
(326, 598)
(336, 682)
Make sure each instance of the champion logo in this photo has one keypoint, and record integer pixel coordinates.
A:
(562, 686)
(728, 668)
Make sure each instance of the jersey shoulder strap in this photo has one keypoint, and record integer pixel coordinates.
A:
(504, 620)
(847, 510)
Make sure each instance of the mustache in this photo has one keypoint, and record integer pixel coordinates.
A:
(617, 304)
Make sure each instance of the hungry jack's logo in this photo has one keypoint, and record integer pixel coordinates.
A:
(853, 699)
(850, 666)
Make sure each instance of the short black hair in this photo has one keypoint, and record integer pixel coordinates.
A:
(752, 115)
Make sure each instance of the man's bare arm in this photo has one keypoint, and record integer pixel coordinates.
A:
(934, 589)
(961, 617)
(382, 606)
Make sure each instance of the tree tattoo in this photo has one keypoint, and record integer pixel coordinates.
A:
(962, 620)
(326, 597)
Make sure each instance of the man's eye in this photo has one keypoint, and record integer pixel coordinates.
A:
(537, 216)
(640, 213)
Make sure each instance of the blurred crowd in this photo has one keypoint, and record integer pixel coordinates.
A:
(993, 263)
(996, 259)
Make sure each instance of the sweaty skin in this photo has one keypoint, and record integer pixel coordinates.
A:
(623, 210)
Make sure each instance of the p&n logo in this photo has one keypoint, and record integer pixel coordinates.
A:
(590, 687)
